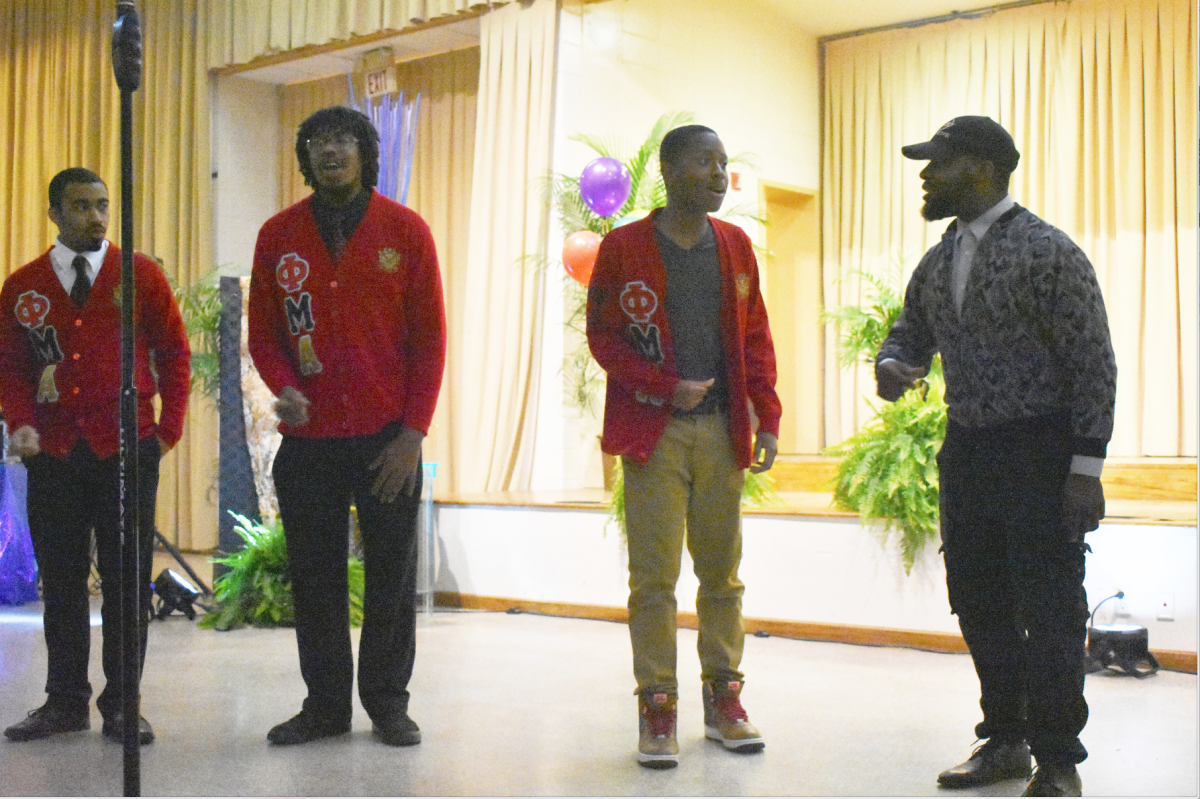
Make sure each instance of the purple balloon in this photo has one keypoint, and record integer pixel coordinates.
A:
(604, 185)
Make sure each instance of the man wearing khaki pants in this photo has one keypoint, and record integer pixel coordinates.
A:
(676, 319)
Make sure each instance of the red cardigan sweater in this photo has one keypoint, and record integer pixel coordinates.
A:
(60, 366)
(629, 336)
(363, 339)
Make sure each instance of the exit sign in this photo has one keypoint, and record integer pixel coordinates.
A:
(379, 81)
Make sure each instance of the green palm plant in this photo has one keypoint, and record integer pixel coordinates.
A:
(888, 473)
(646, 187)
(257, 588)
(200, 305)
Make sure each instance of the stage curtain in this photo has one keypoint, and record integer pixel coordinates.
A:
(495, 326)
(59, 107)
(1101, 98)
(242, 30)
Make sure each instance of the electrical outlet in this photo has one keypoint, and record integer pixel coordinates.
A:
(1166, 606)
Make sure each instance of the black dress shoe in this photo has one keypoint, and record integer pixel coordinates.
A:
(396, 730)
(304, 727)
(1053, 779)
(992, 762)
(47, 721)
(114, 728)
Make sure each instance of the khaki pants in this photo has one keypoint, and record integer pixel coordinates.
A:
(691, 482)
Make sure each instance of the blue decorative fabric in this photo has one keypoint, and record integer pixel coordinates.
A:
(18, 568)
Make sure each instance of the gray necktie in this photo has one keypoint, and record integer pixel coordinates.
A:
(79, 291)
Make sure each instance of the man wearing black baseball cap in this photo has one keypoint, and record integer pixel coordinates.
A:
(1014, 309)
(979, 136)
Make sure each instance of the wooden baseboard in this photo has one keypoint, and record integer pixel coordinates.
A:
(801, 630)
(1164, 479)
(447, 599)
(1175, 660)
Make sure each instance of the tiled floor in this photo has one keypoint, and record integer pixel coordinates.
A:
(532, 705)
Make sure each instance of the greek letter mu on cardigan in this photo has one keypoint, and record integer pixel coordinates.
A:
(629, 336)
(363, 339)
(1032, 338)
(60, 366)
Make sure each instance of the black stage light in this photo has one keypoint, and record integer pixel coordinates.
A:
(1123, 646)
(174, 593)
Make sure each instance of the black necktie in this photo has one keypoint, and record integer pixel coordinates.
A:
(79, 291)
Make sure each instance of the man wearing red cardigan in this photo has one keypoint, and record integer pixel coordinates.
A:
(676, 319)
(348, 330)
(60, 386)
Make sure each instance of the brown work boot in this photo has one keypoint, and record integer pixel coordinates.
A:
(725, 719)
(657, 747)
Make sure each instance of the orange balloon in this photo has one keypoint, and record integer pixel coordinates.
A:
(579, 254)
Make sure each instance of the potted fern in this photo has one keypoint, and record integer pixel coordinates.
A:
(256, 589)
(888, 472)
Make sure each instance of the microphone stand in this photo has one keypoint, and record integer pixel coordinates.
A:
(127, 69)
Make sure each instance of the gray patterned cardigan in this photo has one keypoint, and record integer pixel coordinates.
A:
(1032, 339)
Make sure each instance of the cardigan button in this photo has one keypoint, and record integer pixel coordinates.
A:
(78, 323)
(75, 356)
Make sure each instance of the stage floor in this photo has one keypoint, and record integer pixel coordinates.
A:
(540, 706)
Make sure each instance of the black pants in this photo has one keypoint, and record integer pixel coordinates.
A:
(67, 500)
(315, 481)
(1015, 580)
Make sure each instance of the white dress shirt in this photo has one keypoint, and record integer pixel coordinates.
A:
(62, 259)
(966, 243)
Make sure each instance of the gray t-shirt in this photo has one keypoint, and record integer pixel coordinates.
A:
(693, 306)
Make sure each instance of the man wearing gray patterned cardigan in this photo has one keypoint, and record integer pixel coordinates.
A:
(1014, 308)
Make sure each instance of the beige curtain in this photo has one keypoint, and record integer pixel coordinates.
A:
(440, 188)
(1101, 98)
(498, 307)
(242, 30)
(60, 108)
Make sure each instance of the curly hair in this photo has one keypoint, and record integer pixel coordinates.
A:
(340, 119)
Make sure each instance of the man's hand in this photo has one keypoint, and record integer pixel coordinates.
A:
(688, 393)
(25, 441)
(397, 465)
(1083, 505)
(766, 446)
(292, 407)
(893, 378)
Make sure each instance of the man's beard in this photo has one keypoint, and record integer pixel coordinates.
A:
(945, 201)
(940, 205)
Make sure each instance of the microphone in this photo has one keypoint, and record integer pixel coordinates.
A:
(127, 47)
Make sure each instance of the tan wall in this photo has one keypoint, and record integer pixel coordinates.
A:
(744, 71)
